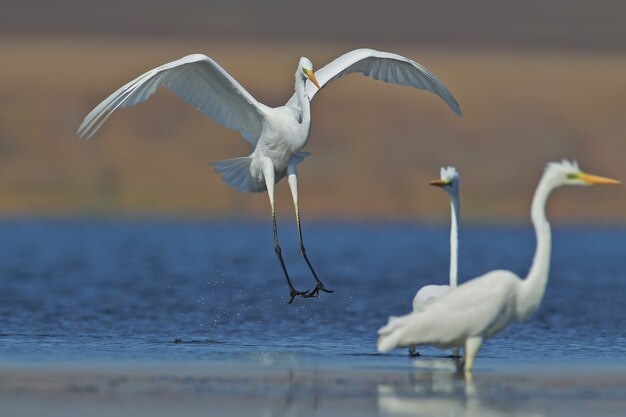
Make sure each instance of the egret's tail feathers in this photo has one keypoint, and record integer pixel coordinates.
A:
(390, 334)
(388, 342)
(392, 324)
(236, 173)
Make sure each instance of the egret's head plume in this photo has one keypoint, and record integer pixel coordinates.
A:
(568, 173)
(449, 173)
(305, 64)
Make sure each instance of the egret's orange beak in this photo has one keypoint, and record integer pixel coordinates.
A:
(440, 183)
(311, 76)
(594, 179)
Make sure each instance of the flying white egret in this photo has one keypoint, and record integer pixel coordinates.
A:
(450, 181)
(481, 308)
(276, 134)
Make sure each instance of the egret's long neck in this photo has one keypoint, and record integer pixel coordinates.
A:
(303, 99)
(532, 288)
(454, 240)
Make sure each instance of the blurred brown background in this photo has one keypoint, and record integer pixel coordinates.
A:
(537, 81)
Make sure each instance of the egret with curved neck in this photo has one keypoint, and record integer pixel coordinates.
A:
(450, 182)
(484, 306)
(277, 134)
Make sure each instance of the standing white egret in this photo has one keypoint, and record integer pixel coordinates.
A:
(276, 134)
(481, 308)
(450, 182)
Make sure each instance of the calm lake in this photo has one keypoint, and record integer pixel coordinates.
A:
(93, 290)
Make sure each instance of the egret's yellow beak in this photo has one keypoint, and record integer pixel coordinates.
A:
(440, 183)
(311, 76)
(594, 179)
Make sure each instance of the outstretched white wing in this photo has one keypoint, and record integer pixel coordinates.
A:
(198, 80)
(385, 66)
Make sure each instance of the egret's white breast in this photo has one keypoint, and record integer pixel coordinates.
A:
(283, 135)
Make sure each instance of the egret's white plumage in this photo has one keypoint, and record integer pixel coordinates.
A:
(384, 66)
(277, 134)
(480, 308)
(450, 181)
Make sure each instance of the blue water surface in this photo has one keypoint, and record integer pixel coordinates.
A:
(127, 290)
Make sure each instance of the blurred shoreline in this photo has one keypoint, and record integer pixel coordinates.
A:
(522, 108)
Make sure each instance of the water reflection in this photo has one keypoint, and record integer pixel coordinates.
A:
(438, 388)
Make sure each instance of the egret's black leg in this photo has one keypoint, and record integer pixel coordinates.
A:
(413, 353)
(293, 293)
(319, 285)
(293, 185)
(268, 174)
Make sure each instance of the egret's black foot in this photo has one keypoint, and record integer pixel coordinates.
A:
(293, 293)
(413, 353)
(315, 292)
